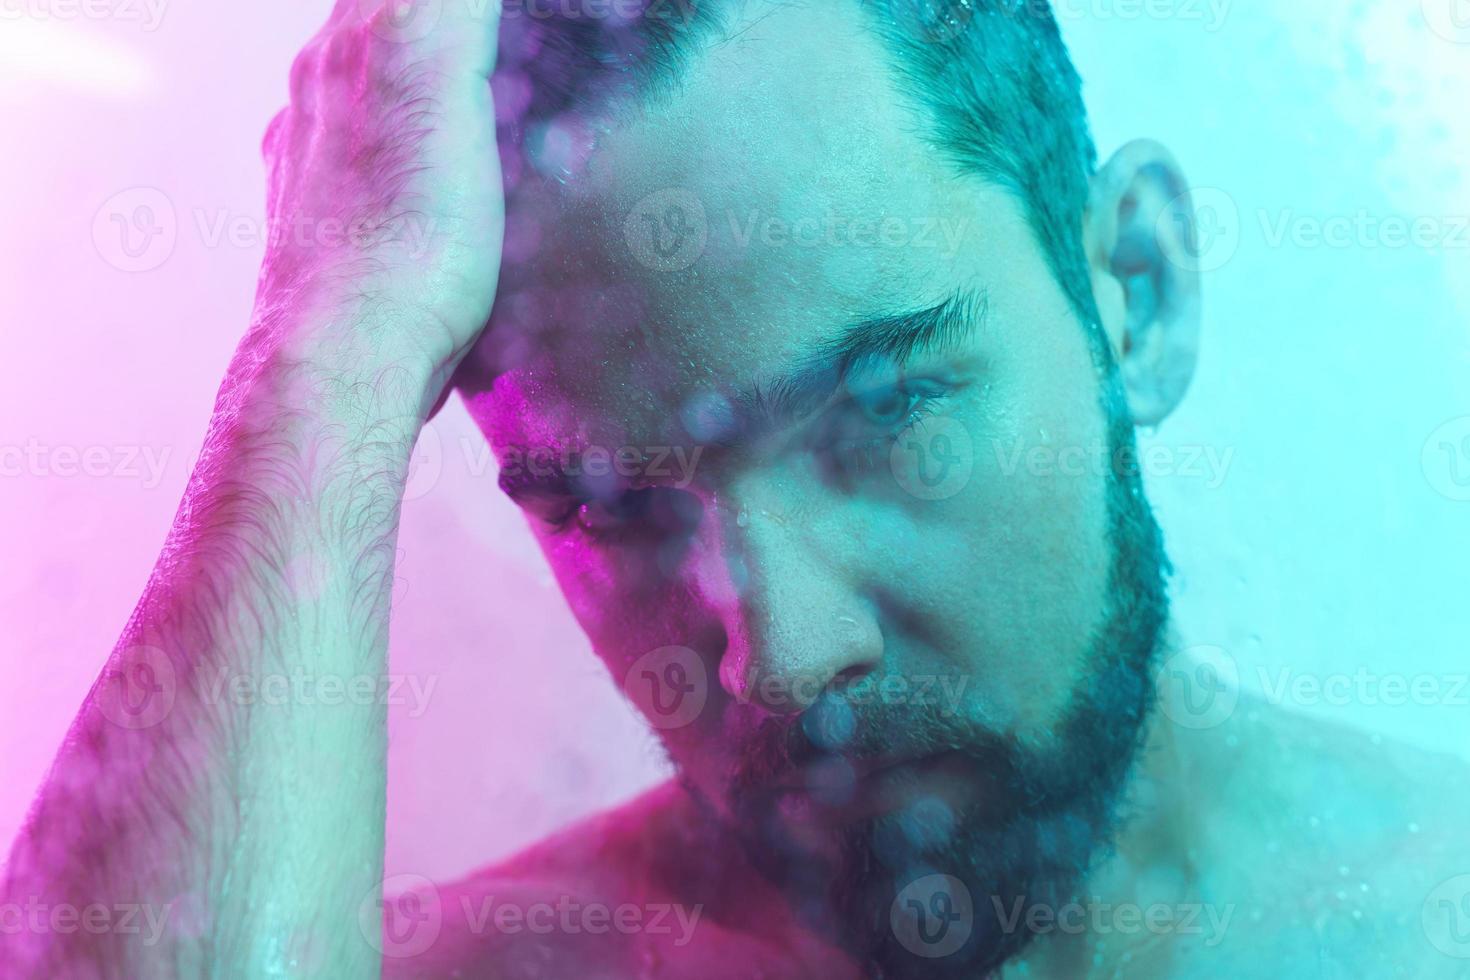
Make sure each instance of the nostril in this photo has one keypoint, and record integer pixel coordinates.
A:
(851, 675)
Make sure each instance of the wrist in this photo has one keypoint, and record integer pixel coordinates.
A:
(339, 369)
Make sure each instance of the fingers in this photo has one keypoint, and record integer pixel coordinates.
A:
(463, 32)
(273, 132)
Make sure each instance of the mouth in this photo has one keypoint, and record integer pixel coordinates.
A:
(848, 789)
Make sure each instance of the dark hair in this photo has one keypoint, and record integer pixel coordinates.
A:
(993, 75)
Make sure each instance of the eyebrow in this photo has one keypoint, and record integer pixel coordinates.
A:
(890, 340)
(880, 341)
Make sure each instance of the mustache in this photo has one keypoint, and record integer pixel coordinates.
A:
(772, 748)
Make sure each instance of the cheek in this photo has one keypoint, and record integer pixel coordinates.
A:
(1008, 576)
(623, 601)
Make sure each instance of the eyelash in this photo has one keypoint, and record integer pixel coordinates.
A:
(864, 454)
(853, 455)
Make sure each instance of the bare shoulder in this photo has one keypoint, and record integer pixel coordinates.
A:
(594, 900)
(562, 907)
(1339, 844)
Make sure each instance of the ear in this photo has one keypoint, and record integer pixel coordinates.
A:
(1140, 239)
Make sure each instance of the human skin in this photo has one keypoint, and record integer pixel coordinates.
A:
(258, 831)
(1000, 582)
(798, 577)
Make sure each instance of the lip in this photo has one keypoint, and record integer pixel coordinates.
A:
(863, 771)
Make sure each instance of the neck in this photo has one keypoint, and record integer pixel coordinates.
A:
(1152, 862)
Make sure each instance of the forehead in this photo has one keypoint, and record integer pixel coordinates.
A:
(786, 188)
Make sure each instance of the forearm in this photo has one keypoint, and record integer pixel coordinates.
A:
(248, 831)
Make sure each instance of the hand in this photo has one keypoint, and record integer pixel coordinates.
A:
(385, 199)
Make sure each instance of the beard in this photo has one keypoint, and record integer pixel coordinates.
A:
(939, 889)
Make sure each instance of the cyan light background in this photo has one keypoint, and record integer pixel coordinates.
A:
(1335, 544)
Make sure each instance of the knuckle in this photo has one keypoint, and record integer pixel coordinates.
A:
(273, 130)
(343, 51)
(304, 69)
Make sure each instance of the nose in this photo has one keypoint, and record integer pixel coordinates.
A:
(789, 601)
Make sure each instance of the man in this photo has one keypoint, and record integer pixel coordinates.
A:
(835, 257)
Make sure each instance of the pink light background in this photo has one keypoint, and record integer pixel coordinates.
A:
(1327, 546)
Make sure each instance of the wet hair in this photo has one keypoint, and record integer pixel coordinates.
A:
(994, 76)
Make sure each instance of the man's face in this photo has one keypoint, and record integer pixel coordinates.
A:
(869, 515)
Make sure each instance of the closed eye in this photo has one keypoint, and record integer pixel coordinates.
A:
(653, 512)
(859, 432)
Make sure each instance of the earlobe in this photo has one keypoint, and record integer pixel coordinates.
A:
(1140, 237)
